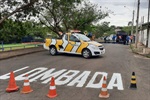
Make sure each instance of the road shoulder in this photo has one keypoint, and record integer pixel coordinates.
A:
(19, 52)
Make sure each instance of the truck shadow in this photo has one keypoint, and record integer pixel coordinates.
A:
(75, 56)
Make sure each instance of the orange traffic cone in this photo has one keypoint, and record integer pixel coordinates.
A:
(104, 93)
(12, 84)
(26, 86)
(52, 90)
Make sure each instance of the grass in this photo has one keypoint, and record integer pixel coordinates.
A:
(12, 45)
(135, 50)
(16, 46)
(148, 55)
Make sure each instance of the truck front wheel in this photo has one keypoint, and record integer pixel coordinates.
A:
(53, 50)
(86, 53)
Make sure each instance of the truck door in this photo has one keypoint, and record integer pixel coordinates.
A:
(73, 44)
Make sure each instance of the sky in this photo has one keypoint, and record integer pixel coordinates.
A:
(123, 10)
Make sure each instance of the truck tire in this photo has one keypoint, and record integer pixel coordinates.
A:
(53, 50)
(86, 53)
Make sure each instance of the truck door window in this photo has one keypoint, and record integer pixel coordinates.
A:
(73, 38)
(66, 37)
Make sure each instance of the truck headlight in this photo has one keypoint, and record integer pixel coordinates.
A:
(101, 46)
(94, 47)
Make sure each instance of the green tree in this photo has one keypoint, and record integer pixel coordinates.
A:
(11, 31)
(103, 28)
(111, 30)
(128, 29)
(62, 16)
(20, 9)
(84, 17)
(14, 31)
(57, 15)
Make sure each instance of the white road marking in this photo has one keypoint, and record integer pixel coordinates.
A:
(116, 78)
(66, 77)
(6, 76)
(36, 70)
(69, 77)
(47, 75)
(96, 85)
(81, 79)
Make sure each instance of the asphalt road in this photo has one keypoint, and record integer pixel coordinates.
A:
(74, 75)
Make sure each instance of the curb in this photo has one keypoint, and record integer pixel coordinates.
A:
(19, 52)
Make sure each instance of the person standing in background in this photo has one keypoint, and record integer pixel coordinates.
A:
(127, 39)
(114, 38)
(131, 38)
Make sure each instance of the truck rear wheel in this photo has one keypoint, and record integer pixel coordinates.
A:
(86, 53)
(53, 50)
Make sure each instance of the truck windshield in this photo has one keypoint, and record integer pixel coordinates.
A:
(83, 37)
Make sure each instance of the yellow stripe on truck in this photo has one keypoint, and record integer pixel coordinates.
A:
(48, 42)
(69, 46)
(82, 46)
(58, 42)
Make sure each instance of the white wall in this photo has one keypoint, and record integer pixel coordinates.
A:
(143, 37)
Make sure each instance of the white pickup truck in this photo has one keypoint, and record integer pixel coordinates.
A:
(74, 44)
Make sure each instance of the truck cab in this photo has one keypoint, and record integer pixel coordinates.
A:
(74, 43)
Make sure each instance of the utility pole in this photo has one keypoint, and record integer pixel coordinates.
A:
(142, 32)
(132, 20)
(137, 22)
(148, 25)
(132, 23)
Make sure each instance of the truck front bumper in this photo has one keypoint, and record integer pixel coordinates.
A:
(97, 52)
